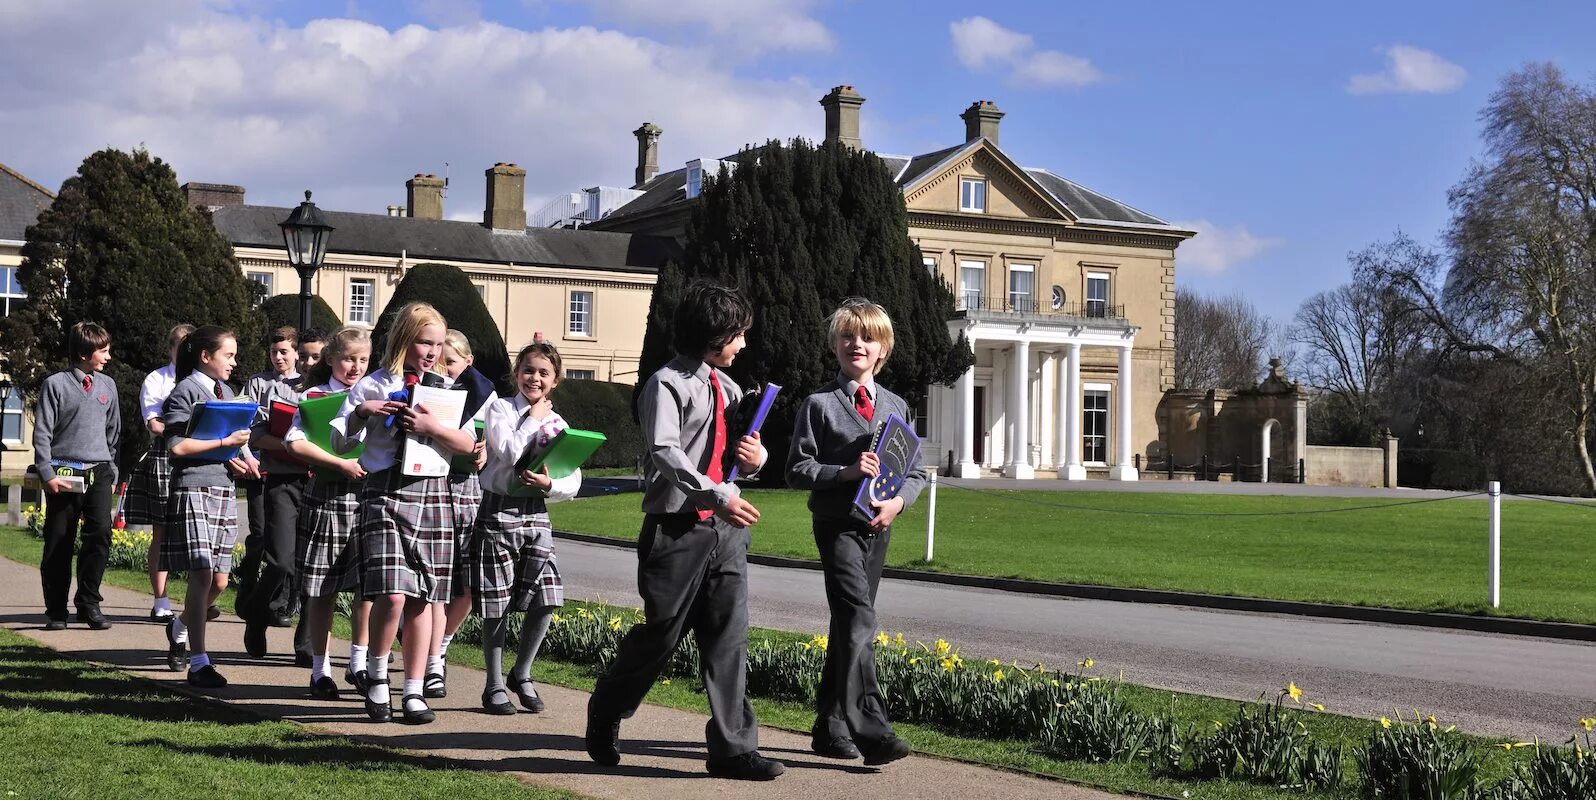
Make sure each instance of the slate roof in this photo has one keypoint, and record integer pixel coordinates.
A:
(21, 202)
(668, 188)
(423, 239)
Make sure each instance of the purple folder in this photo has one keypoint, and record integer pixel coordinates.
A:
(897, 446)
(767, 398)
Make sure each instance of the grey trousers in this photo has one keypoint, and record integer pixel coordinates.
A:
(691, 575)
(848, 702)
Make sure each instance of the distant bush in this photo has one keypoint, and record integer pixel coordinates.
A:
(606, 408)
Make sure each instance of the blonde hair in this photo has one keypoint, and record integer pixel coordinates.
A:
(178, 334)
(338, 345)
(408, 324)
(858, 315)
(457, 341)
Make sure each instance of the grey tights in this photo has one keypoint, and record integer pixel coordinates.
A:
(534, 626)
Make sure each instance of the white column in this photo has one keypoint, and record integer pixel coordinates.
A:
(1047, 422)
(1073, 469)
(965, 412)
(1123, 469)
(1019, 455)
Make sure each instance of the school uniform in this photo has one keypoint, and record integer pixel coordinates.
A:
(76, 419)
(151, 482)
(513, 560)
(268, 566)
(834, 426)
(465, 490)
(406, 522)
(202, 511)
(693, 566)
(327, 553)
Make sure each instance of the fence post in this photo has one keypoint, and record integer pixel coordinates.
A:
(1494, 488)
(1170, 465)
(1136, 461)
(1237, 477)
(1268, 469)
(931, 517)
(1205, 466)
(1302, 470)
(14, 504)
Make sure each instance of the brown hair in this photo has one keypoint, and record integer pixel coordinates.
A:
(546, 350)
(85, 338)
(287, 333)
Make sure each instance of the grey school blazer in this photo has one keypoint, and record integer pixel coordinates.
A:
(829, 435)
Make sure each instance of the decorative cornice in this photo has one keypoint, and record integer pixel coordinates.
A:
(1059, 230)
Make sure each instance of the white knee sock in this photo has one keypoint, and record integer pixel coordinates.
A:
(179, 630)
(377, 668)
(413, 692)
(357, 657)
(435, 665)
(443, 646)
(318, 667)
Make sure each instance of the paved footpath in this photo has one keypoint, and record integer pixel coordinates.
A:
(661, 749)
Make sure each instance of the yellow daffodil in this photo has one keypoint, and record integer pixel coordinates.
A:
(882, 639)
(957, 659)
(664, 681)
(943, 648)
(820, 640)
(556, 619)
(1054, 681)
(1432, 723)
(1588, 724)
(1086, 663)
(897, 641)
(996, 663)
(1218, 725)
(615, 623)
(1316, 706)
(997, 677)
(947, 665)
(1385, 723)
(1296, 694)
(914, 661)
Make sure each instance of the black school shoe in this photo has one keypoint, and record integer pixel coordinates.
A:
(528, 696)
(255, 639)
(750, 766)
(93, 618)
(434, 686)
(206, 677)
(176, 651)
(833, 746)
(421, 717)
(886, 751)
(357, 679)
(324, 688)
(603, 738)
(212, 613)
(503, 709)
(379, 712)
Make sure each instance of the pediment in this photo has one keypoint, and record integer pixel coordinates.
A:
(1011, 193)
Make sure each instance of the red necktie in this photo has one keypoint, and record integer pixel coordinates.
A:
(717, 448)
(88, 383)
(861, 403)
(218, 387)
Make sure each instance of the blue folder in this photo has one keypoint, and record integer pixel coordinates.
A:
(218, 419)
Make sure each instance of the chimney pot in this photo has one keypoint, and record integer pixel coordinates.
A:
(981, 119)
(842, 115)
(647, 153)
(213, 195)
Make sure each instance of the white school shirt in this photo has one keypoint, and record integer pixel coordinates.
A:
(384, 445)
(155, 389)
(510, 426)
(296, 430)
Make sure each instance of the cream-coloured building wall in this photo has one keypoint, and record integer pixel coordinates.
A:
(18, 453)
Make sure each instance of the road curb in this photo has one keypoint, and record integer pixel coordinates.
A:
(1512, 626)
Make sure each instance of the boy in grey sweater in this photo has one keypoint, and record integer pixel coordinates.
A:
(77, 422)
(830, 455)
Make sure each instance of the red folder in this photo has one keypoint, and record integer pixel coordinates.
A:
(281, 419)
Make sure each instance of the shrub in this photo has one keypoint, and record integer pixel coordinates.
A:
(1554, 773)
(1418, 761)
(607, 408)
(283, 311)
(450, 291)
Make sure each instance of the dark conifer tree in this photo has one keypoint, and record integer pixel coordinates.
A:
(450, 291)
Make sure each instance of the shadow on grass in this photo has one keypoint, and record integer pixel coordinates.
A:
(37, 678)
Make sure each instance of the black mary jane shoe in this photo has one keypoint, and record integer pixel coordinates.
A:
(379, 712)
(528, 696)
(212, 613)
(434, 686)
(176, 651)
(421, 717)
(357, 679)
(324, 688)
(503, 709)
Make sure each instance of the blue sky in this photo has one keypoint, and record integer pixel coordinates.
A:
(1246, 118)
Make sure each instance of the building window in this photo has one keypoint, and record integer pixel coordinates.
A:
(972, 280)
(11, 293)
(1094, 438)
(930, 263)
(264, 279)
(695, 181)
(580, 320)
(972, 195)
(1022, 288)
(581, 374)
(362, 295)
(11, 420)
(482, 291)
(1097, 294)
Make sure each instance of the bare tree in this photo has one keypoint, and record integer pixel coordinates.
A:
(1522, 282)
(1219, 341)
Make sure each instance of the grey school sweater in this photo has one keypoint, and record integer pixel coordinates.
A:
(829, 435)
(263, 388)
(179, 408)
(70, 424)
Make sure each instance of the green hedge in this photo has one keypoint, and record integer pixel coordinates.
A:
(283, 311)
(606, 408)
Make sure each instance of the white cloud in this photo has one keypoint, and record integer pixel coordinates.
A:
(981, 44)
(351, 109)
(1409, 70)
(1216, 249)
(750, 27)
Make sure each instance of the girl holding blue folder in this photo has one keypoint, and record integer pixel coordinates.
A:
(513, 566)
(202, 522)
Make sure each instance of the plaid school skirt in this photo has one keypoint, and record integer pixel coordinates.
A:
(513, 557)
(201, 528)
(406, 536)
(465, 490)
(327, 551)
(149, 487)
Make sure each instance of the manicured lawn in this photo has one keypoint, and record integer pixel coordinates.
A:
(1429, 557)
(74, 730)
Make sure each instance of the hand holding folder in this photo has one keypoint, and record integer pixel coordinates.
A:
(220, 419)
(562, 455)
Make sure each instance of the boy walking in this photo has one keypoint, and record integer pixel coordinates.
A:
(267, 599)
(693, 551)
(830, 454)
(77, 427)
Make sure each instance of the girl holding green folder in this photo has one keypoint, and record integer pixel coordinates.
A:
(513, 567)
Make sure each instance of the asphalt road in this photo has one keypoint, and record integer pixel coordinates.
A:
(1518, 687)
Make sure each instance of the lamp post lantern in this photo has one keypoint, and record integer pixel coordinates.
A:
(305, 234)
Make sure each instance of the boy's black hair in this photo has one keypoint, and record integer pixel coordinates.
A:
(312, 336)
(709, 316)
(204, 339)
(84, 339)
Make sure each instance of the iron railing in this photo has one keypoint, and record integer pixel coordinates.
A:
(1032, 307)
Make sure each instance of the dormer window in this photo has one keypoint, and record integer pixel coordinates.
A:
(972, 195)
(695, 179)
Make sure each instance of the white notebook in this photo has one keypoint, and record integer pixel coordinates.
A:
(424, 456)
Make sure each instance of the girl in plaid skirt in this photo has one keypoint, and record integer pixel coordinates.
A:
(513, 566)
(151, 482)
(202, 511)
(406, 522)
(327, 552)
(465, 489)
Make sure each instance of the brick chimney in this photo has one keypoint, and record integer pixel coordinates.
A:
(842, 115)
(647, 153)
(506, 209)
(424, 196)
(213, 195)
(981, 119)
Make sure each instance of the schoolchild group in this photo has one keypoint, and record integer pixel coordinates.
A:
(420, 554)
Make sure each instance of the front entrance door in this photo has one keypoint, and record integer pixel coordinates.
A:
(979, 421)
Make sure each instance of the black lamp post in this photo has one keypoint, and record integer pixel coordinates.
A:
(305, 234)
(5, 403)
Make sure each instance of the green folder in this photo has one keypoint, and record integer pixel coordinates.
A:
(466, 462)
(563, 456)
(316, 416)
